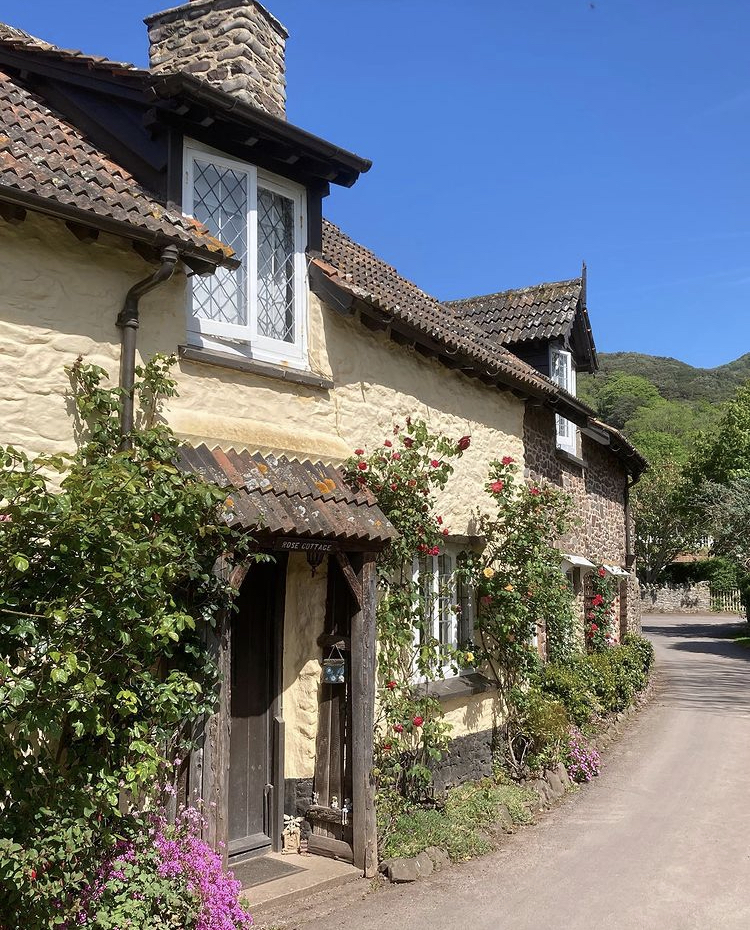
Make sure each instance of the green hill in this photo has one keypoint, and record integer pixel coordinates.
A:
(673, 379)
(662, 404)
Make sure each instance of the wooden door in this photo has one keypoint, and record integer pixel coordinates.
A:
(253, 695)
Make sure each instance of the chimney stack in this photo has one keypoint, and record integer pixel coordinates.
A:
(236, 45)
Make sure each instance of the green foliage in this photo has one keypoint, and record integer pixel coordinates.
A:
(726, 456)
(673, 379)
(536, 731)
(667, 517)
(621, 395)
(405, 474)
(108, 589)
(457, 827)
(518, 579)
(570, 684)
(601, 611)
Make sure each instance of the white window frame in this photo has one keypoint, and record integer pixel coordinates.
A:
(566, 432)
(452, 551)
(244, 339)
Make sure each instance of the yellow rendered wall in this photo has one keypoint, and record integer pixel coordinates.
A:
(60, 298)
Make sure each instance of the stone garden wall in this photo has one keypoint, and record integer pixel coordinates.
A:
(677, 598)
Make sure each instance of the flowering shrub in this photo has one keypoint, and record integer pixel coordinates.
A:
(600, 613)
(582, 760)
(161, 876)
(404, 474)
(107, 590)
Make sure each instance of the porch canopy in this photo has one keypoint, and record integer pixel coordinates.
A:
(291, 505)
(280, 497)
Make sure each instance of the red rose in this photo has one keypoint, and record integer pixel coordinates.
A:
(398, 727)
(602, 572)
(507, 460)
(412, 483)
(486, 600)
(394, 486)
(496, 487)
(390, 685)
(445, 532)
(464, 442)
(597, 601)
(591, 615)
(359, 451)
(396, 456)
(362, 466)
(534, 491)
(418, 721)
(439, 521)
(594, 628)
(388, 443)
(435, 463)
(386, 747)
(408, 442)
(32, 875)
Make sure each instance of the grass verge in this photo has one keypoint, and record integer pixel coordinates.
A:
(458, 827)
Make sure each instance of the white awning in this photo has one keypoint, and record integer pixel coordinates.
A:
(578, 560)
(616, 570)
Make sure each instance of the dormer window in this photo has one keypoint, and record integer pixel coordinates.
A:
(259, 309)
(563, 373)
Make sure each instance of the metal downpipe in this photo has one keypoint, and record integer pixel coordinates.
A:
(128, 321)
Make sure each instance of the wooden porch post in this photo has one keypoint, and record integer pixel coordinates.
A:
(363, 660)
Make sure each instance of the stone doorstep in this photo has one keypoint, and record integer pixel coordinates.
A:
(320, 874)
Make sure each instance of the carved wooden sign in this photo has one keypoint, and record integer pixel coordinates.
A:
(295, 544)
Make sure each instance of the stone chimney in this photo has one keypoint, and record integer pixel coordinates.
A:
(236, 45)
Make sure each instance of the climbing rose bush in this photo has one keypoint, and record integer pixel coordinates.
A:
(405, 474)
(600, 616)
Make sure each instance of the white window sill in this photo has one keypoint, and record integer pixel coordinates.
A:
(236, 362)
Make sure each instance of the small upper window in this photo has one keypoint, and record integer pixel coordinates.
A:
(258, 309)
(563, 373)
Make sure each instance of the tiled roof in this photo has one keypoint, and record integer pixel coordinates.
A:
(371, 279)
(14, 38)
(280, 496)
(45, 157)
(544, 311)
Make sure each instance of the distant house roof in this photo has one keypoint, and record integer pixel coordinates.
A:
(538, 313)
(16, 38)
(281, 496)
(46, 164)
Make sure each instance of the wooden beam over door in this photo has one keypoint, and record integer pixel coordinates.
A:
(354, 583)
(363, 721)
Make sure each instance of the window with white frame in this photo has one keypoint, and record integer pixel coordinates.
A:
(563, 373)
(449, 602)
(259, 309)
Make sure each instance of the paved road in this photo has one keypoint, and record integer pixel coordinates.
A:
(660, 841)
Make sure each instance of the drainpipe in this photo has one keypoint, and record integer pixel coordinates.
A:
(629, 554)
(128, 322)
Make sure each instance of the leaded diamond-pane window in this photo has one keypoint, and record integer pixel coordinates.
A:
(220, 202)
(275, 266)
(258, 309)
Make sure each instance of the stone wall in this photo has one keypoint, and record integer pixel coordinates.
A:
(677, 598)
(597, 487)
(236, 45)
(468, 759)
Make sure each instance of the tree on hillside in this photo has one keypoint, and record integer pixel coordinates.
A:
(721, 458)
(622, 395)
(667, 520)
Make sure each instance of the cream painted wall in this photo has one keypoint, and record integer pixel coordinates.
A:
(303, 624)
(60, 298)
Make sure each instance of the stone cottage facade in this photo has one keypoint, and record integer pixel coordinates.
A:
(175, 210)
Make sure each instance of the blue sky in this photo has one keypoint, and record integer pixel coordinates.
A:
(512, 139)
